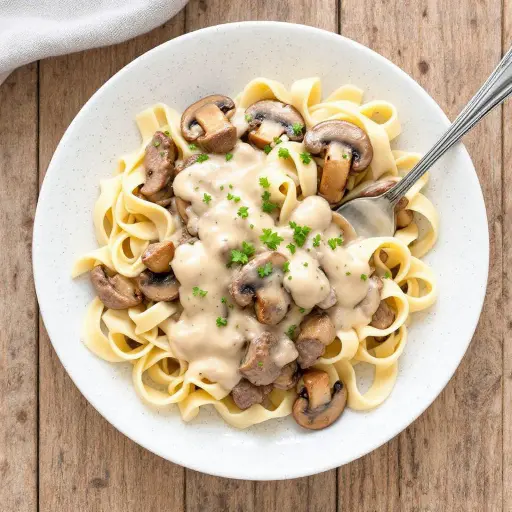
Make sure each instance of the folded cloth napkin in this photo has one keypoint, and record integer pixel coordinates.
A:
(34, 29)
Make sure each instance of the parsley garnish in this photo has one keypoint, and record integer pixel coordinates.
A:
(222, 322)
(345, 156)
(267, 149)
(305, 157)
(267, 206)
(231, 197)
(167, 133)
(229, 156)
(156, 143)
(162, 153)
(202, 158)
(306, 264)
(297, 128)
(270, 239)
(196, 291)
(364, 277)
(251, 226)
(243, 255)
(223, 300)
(283, 153)
(222, 187)
(231, 186)
(266, 270)
(207, 198)
(289, 278)
(335, 242)
(316, 240)
(243, 212)
(192, 147)
(277, 140)
(302, 310)
(387, 275)
(286, 266)
(248, 118)
(291, 331)
(291, 247)
(264, 182)
(260, 364)
(348, 273)
(300, 233)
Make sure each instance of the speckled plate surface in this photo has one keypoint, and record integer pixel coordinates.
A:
(223, 59)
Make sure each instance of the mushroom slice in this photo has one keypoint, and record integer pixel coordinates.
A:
(272, 300)
(258, 366)
(159, 163)
(207, 122)
(270, 119)
(186, 163)
(116, 291)
(181, 207)
(158, 287)
(344, 147)
(383, 317)
(403, 217)
(316, 408)
(158, 256)
(246, 394)
(162, 197)
(288, 377)
(316, 332)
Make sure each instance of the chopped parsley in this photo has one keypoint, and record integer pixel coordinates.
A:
(221, 322)
(202, 158)
(248, 118)
(223, 300)
(345, 156)
(243, 212)
(305, 157)
(156, 143)
(242, 256)
(316, 240)
(277, 140)
(192, 147)
(267, 206)
(231, 197)
(286, 266)
(264, 182)
(229, 156)
(222, 187)
(162, 153)
(207, 198)
(231, 186)
(251, 226)
(364, 277)
(283, 153)
(297, 128)
(302, 310)
(387, 275)
(271, 239)
(300, 233)
(291, 331)
(167, 133)
(289, 278)
(266, 270)
(335, 242)
(291, 248)
(267, 149)
(348, 273)
(260, 364)
(306, 264)
(197, 292)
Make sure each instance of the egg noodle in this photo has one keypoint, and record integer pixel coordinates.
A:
(180, 355)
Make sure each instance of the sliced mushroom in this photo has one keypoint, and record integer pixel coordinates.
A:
(186, 163)
(115, 291)
(288, 377)
(383, 317)
(329, 301)
(269, 119)
(370, 303)
(316, 408)
(158, 163)
(403, 216)
(246, 394)
(257, 366)
(162, 197)
(378, 188)
(181, 207)
(158, 287)
(158, 256)
(272, 300)
(207, 122)
(344, 147)
(316, 332)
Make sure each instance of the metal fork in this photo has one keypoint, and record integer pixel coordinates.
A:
(375, 216)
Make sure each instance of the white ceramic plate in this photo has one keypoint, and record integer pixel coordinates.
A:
(223, 59)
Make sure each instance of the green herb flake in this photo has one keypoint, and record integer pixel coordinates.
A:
(223, 300)
(260, 364)
(239, 257)
(162, 153)
(264, 182)
(364, 277)
(231, 186)
(302, 310)
(248, 118)
(306, 264)
(291, 248)
(207, 198)
(305, 157)
(192, 147)
(289, 278)
(243, 212)
(229, 156)
(300, 233)
(156, 143)
(345, 156)
(277, 140)
(316, 240)
(167, 133)
(251, 226)
(202, 158)
(221, 322)
(291, 331)
(267, 149)
(266, 270)
(231, 197)
(335, 242)
(387, 275)
(348, 273)
(283, 153)
(271, 239)
(297, 128)
(197, 292)
(267, 206)
(286, 267)
(248, 248)
(222, 187)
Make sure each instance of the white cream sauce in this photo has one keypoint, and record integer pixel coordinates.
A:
(213, 352)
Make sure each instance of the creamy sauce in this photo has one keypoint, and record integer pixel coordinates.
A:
(213, 352)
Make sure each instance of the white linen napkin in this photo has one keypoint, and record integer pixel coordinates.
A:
(34, 29)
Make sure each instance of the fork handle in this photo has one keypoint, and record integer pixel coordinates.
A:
(493, 92)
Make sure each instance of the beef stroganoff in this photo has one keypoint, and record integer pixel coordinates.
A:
(224, 275)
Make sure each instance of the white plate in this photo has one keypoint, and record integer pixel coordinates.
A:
(223, 59)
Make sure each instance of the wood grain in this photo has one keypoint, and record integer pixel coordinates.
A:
(85, 464)
(18, 309)
(450, 459)
(301, 495)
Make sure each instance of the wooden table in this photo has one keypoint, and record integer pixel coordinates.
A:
(58, 455)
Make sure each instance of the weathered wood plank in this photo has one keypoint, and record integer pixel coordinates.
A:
(449, 459)
(85, 464)
(308, 494)
(18, 308)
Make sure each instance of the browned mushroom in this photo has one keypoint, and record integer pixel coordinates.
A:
(383, 317)
(115, 291)
(258, 366)
(269, 119)
(316, 332)
(181, 204)
(207, 122)
(159, 287)
(192, 159)
(403, 216)
(159, 164)
(316, 408)
(272, 300)
(288, 377)
(158, 256)
(345, 148)
(246, 394)
(162, 197)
